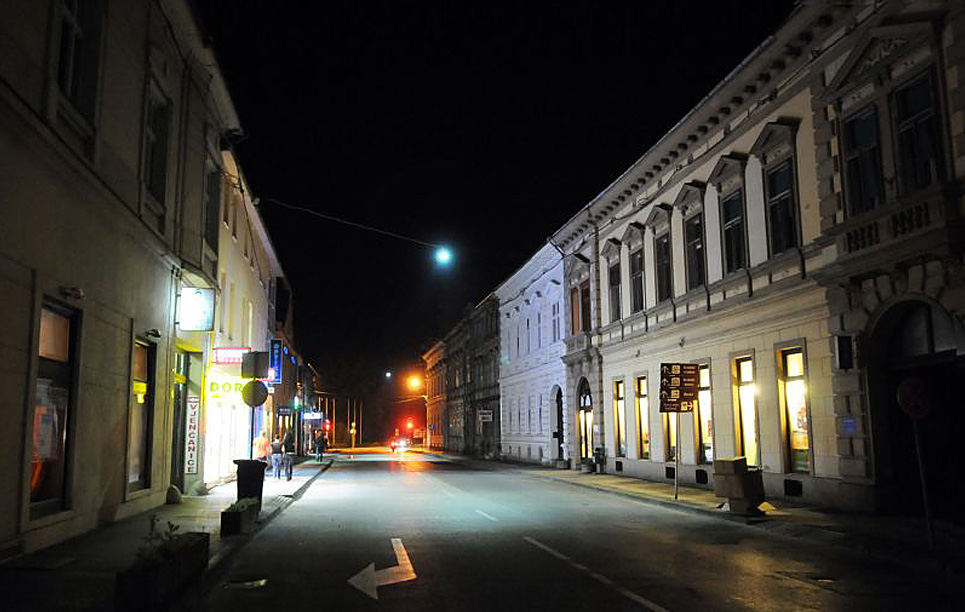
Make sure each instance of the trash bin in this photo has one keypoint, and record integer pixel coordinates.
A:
(742, 486)
(251, 478)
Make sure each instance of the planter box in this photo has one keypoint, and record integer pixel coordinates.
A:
(234, 522)
(150, 584)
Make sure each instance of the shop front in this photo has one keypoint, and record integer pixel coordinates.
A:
(227, 422)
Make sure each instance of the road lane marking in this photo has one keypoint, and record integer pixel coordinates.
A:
(643, 601)
(489, 516)
(369, 579)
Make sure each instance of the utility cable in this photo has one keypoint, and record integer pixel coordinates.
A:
(351, 223)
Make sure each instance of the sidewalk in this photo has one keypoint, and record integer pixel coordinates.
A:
(79, 574)
(900, 539)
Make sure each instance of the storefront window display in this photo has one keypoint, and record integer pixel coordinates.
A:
(794, 397)
(227, 434)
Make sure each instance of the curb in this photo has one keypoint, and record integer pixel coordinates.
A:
(887, 550)
(218, 563)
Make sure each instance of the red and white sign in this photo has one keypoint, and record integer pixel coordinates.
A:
(230, 355)
(192, 435)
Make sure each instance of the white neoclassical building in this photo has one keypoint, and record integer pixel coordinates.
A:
(797, 235)
(532, 377)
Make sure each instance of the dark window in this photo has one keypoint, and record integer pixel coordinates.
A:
(156, 146)
(919, 154)
(694, 234)
(614, 277)
(52, 411)
(782, 212)
(862, 161)
(732, 218)
(585, 306)
(574, 310)
(78, 54)
(142, 412)
(636, 280)
(212, 205)
(664, 271)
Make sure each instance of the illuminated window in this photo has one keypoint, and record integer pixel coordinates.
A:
(747, 409)
(705, 417)
(793, 389)
(142, 402)
(52, 411)
(620, 419)
(585, 420)
(643, 418)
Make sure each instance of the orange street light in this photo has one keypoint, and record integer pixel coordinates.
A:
(415, 382)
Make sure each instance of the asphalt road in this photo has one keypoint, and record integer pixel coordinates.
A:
(500, 540)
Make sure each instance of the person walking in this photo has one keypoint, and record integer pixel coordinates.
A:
(261, 448)
(277, 457)
(319, 442)
(288, 444)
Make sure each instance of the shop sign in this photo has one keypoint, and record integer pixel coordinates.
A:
(274, 363)
(312, 416)
(678, 387)
(225, 385)
(197, 309)
(191, 435)
(284, 410)
(485, 416)
(230, 355)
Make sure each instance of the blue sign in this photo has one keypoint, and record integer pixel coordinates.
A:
(274, 363)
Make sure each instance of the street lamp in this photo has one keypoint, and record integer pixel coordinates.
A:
(415, 382)
(388, 374)
(443, 256)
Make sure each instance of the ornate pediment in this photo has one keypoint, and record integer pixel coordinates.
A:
(728, 166)
(775, 140)
(877, 49)
(611, 249)
(633, 233)
(659, 215)
(690, 196)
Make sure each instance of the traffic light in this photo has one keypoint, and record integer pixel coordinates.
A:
(408, 424)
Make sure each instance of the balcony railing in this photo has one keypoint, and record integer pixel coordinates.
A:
(887, 227)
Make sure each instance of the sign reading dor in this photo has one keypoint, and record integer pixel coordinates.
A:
(678, 387)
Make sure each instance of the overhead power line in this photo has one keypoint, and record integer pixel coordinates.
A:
(354, 224)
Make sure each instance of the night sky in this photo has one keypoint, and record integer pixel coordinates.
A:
(484, 126)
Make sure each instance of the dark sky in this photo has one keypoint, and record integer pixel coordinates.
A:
(484, 126)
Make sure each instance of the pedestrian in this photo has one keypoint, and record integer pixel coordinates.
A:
(318, 444)
(288, 442)
(277, 457)
(261, 448)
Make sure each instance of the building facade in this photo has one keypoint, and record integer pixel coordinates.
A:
(797, 235)
(471, 366)
(435, 377)
(110, 125)
(531, 373)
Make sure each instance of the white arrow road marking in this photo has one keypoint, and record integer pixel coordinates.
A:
(369, 579)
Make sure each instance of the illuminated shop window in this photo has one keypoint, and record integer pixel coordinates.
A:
(705, 417)
(620, 418)
(52, 411)
(747, 410)
(643, 418)
(794, 397)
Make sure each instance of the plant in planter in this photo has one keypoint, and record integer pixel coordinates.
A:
(240, 516)
(166, 562)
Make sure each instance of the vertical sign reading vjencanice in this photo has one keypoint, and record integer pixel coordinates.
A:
(191, 435)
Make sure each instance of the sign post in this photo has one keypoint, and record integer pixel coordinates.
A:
(914, 401)
(678, 393)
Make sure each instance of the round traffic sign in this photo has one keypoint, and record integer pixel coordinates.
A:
(254, 393)
(913, 397)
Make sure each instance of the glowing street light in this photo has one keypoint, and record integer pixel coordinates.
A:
(415, 382)
(388, 374)
(443, 256)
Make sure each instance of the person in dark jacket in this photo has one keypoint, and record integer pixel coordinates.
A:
(289, 457)
(277, 456)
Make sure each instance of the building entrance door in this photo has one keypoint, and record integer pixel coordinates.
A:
(919, 342)
(585, 417)
(559, 424)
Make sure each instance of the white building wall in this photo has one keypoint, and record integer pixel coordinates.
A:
(528, 379)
